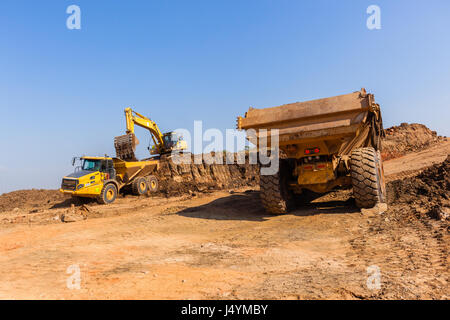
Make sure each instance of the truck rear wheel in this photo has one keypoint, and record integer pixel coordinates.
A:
(367, 177)
(108, 194)
(139, 186)
(273, 191)
(152, 183)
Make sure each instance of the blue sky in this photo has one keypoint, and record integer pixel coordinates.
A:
(62, 92)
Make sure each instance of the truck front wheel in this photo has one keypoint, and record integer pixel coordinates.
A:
(367, 177)
(108, 194)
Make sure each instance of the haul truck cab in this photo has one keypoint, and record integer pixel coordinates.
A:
(102, 178)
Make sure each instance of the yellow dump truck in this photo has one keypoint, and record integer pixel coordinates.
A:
(103, 177)
(323, 144)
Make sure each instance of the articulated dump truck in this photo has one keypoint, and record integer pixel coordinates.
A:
(323, 144)
(102, 178)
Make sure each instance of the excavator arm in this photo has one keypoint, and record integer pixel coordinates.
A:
(125, 145)
(134, 118)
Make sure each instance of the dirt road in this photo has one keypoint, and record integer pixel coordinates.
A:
(222, 245)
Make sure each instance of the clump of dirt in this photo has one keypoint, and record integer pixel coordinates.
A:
(426, 193)
(29, 199)
(407, 138)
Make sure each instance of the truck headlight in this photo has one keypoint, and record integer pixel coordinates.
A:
(80, 186)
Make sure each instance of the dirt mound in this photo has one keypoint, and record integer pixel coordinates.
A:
(175, 179)
(407, 138)
(29, 199)
(427, 193)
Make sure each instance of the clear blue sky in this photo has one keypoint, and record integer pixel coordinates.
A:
(62, 92)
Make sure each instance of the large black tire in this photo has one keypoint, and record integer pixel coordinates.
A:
(367, 177)
(274, 193)
(139, 186)
(152, 184)
(108, 194)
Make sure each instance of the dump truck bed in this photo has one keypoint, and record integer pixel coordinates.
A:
(127, 171)
(330, 118)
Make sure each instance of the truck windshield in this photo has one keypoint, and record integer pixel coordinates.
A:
(91, 165)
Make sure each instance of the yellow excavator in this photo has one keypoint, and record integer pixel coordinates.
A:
(163, 143)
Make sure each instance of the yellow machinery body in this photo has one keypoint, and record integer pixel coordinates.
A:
(318, 136)
(162, 143)
(85, 183)
(97, 172)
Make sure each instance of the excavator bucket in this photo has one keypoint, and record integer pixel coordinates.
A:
(125, 146)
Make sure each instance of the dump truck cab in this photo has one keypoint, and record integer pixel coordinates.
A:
(89, 177)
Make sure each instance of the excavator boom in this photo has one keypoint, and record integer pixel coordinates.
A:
(132, 118)
(126, 144)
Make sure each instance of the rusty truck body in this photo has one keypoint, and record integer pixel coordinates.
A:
(323, 144)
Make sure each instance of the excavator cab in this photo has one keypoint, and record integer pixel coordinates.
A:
(173, 141)
(170, 139)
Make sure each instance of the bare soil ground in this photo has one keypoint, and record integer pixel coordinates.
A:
(222, 245)
(407, 138)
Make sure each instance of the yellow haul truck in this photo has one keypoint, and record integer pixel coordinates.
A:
(323, 144)
(103, 177)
